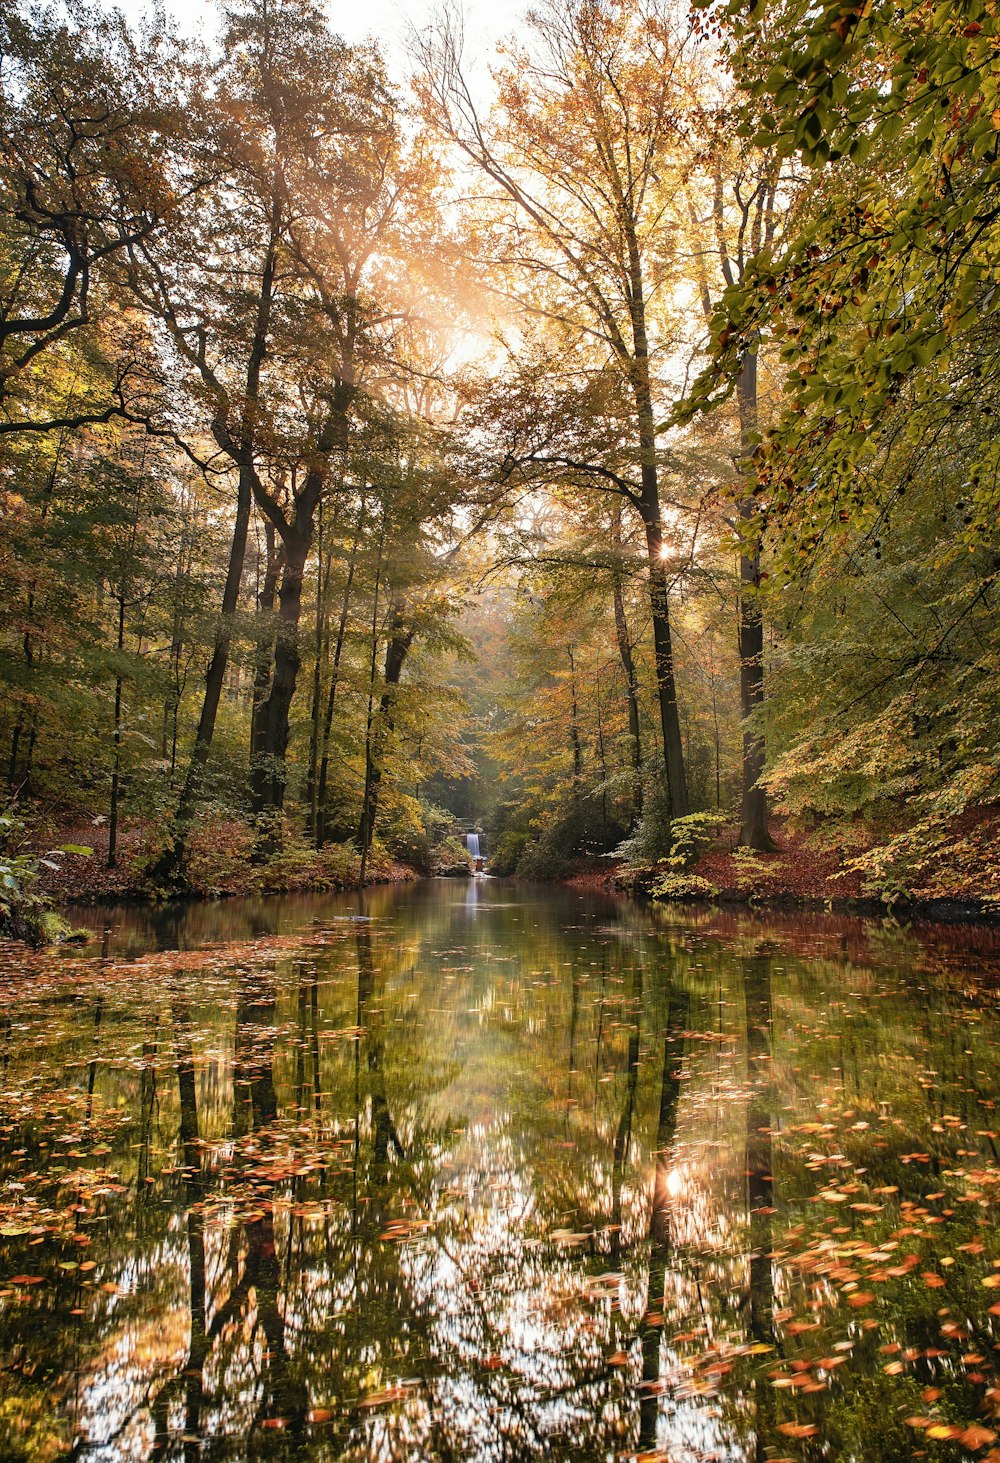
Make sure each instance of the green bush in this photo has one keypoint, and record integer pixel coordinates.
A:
(25, 915)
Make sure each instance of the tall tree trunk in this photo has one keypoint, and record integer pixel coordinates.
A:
(15, 741)
(117, 742)
(167, 869)
(276, 710)
(652, 521)
(296, 533)
(574, 727)
(240, 450)
(171, 707)
(321, 649)
(338, 650)
(663, 654)
(602, 760)
(400, 640)
(266, 596)
(631, 678)
(753, 829)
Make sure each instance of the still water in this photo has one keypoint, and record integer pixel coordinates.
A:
(482, 1172)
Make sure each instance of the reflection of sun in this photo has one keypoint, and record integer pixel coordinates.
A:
(675, 1181)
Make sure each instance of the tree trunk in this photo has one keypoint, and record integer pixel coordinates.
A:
(296, 533)
(262, 668)
(631, 684)
(663, 654)
(117, 742)
(287, 659)
(338, 650)
(753, 829)
(649, 509)
(240, 451)
(400, 641)
(215, 674)
(574, 727)
(321, 649)
(602, 760)
(167, 868)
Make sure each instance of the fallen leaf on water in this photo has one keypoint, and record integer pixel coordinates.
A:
(379, 1399)
(976, 1437)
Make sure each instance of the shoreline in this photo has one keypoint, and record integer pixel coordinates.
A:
(974, 909)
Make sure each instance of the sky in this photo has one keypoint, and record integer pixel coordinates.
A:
(387, 21)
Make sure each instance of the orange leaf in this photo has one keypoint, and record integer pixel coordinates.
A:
(976, 1437)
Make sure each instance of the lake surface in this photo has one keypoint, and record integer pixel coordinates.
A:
(475, 1171)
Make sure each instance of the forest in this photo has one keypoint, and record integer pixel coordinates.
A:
(500, 732)
(592, 445)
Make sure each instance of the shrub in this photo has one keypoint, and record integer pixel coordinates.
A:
(25, 915)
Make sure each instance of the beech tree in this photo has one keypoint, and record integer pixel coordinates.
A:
(582, 157)
(83, 123)
(264, 297)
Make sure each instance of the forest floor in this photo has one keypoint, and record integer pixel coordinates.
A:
(220, 862)
(807, 871)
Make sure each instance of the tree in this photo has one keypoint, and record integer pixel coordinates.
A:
(80, 184)
(582, 157)
(742, 221)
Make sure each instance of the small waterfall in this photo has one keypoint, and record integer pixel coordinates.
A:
(472, 844)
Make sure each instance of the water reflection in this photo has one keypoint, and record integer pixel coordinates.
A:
(477, 1172)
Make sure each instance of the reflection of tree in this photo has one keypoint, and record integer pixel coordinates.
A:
(383, 1128)
(623, 1136)
(756, 969)
(477, 1270)
(659, 1219)
(282, 1397)
(192, 1371)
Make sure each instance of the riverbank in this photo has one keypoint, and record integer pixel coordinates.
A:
(806, 874)
(220, 863)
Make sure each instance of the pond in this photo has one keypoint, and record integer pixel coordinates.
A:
(477, 1171)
